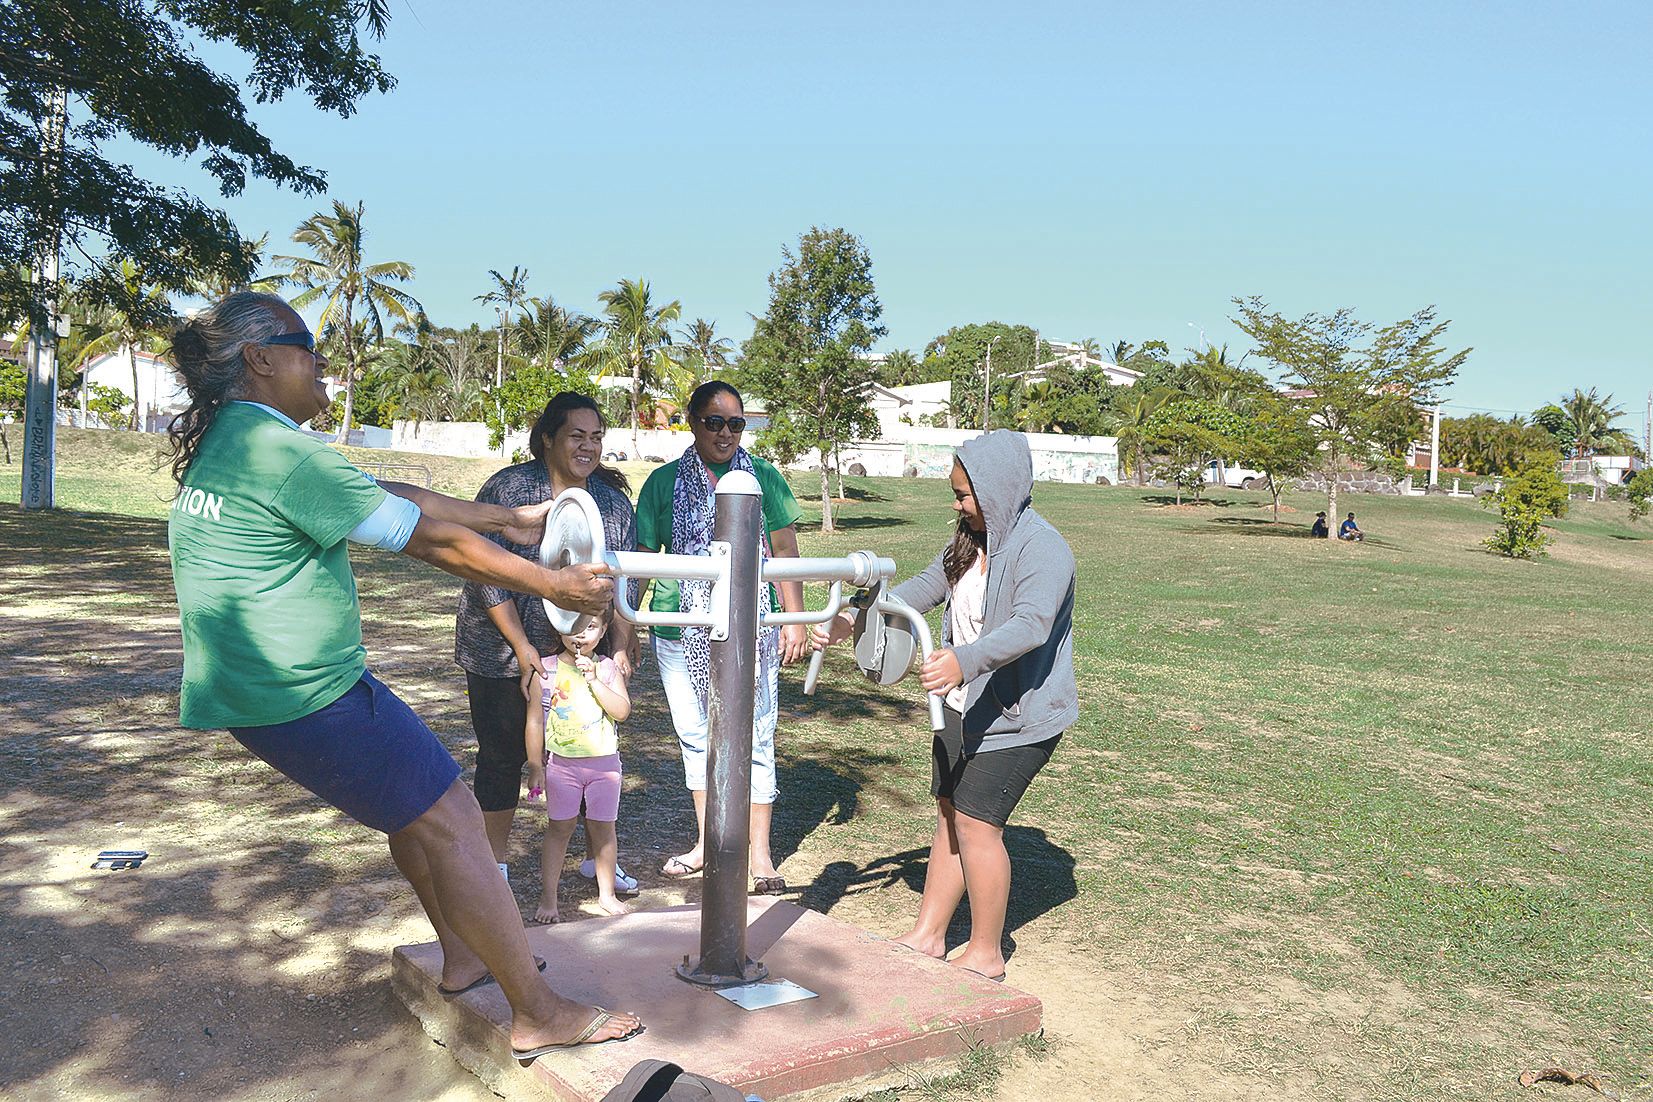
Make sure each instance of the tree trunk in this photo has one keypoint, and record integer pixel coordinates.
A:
(1137, 474)
(132, 362)
(349, 373)
(838, 466)
(1331, 502)
(1274, 491)
(636, 389)
(826, 493)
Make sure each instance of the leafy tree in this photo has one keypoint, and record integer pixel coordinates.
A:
(1363, 395)
(1151, 359)
(1640, 492)
(133, 72)
(1591, 417)
(526, 391)
(1188, 432)
(338, 275)
(804, 356)
(961, 355)
(1524, 502)
(637, 341)
(1554, 420)
(1277, 440)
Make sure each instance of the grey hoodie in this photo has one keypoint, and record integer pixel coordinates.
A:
(1020, 671)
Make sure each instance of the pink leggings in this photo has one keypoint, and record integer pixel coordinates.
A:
(594, 780)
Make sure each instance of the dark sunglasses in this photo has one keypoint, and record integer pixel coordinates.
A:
(302, 339)
(714, 423)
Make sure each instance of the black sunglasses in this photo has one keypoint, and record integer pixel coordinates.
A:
(302, 339)
(714, 423)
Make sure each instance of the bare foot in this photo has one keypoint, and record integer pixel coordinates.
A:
(989, 965)
(568, 1021)
(546, 913)
(930, 947)
(613, 907)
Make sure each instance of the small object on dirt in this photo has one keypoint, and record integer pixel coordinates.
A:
(1562, 1075)
(120, 859)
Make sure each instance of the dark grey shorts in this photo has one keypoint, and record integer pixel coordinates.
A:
(985, 785)
(366, 753)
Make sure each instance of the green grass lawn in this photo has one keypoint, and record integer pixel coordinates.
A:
(1379, 813)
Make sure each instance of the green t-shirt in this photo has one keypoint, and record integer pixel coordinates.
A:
(272, 630)
(654, 521)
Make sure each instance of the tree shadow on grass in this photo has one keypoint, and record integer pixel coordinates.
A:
(1170, 499)
(1041, 874)
(852, 524)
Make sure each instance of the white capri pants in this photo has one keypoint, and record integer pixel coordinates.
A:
(690, 722)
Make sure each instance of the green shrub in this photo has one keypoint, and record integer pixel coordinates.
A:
(1534, 493)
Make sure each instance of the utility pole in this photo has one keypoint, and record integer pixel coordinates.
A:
(499, 378)
(1435, 448)
(40, 392)
(1647, 431)
(987, 385)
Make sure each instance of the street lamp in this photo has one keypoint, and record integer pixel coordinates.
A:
(1204, 344)
(987, 384)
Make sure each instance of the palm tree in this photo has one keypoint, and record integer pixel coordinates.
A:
(1591, 417)
(637, 339)
(712, 350)
(550, 335)
(337, 273)
(508, 293)
(1136, 407)
(130, 325)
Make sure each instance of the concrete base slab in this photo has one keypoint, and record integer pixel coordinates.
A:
(881, 1011)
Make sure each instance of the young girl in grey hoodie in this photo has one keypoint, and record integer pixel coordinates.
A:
(1006, 669)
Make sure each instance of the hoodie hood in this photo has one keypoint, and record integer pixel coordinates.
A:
(1000, 466)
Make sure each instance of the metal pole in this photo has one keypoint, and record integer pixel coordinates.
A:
(723, 961)
(1435, 448)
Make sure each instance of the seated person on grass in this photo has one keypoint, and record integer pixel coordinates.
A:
(1349, 530)
(1319, 530)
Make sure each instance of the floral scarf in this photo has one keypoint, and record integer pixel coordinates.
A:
(693, 507)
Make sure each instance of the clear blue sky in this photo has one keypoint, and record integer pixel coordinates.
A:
(1092, 169)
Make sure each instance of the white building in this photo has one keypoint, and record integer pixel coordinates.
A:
(160, 393)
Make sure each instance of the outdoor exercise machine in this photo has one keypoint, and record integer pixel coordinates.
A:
(889, 636)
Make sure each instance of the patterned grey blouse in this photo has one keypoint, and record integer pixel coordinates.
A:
(478, 647)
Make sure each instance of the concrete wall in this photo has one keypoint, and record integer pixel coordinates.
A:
(921, 452)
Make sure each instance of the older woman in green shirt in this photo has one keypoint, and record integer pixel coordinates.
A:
(272, 635)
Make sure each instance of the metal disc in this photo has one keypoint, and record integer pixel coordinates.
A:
(573, 535)
(884, 648)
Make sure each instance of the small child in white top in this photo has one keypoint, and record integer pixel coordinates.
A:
(574, 756)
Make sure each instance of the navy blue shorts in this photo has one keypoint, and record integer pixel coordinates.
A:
(366, 753)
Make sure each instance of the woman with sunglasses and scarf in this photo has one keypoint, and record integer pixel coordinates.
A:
(674, 514)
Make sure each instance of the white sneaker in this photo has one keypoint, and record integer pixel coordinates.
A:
(505, 871)
(623, 884)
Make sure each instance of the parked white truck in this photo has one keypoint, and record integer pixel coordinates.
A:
(1234, 477)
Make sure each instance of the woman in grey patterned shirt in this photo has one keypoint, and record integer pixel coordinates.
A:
(500, 636)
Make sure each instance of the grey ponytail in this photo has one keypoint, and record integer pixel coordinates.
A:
(206, 350)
